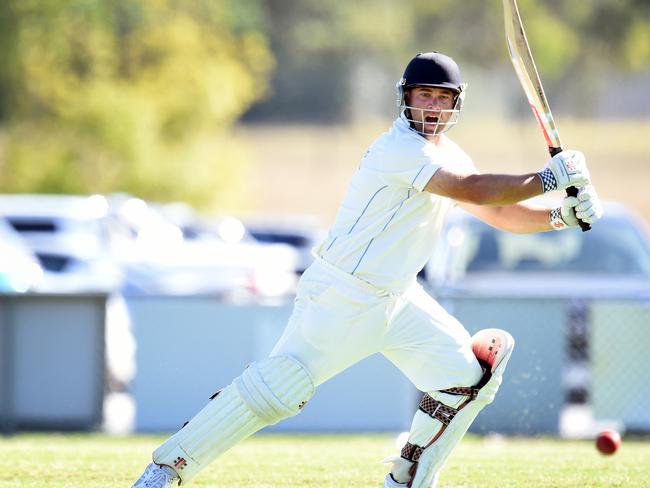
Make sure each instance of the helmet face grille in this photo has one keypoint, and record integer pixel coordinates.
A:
(446, 119)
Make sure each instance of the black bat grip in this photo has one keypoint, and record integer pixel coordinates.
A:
(572, 191)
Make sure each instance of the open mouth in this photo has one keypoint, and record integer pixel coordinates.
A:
(430, 119)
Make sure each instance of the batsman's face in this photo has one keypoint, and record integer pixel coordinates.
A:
(430, 108)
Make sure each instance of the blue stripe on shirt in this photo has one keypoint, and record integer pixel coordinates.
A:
(408, 195)
(359, 217)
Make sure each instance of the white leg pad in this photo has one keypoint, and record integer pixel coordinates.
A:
(276, 388)
(434, 457)
(264, 394)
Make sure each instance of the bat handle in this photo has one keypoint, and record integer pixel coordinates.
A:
(572, 191)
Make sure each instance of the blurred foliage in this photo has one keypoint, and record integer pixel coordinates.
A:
(318, 44)
(128, 95)
(138, 95)
(560, 31)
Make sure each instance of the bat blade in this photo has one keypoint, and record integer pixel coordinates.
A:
(524, 65)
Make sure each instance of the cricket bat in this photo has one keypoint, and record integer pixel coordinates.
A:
(524, 64)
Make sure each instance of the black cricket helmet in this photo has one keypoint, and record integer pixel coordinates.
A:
(432, 69)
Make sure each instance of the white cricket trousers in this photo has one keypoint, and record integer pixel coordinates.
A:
(339, 319)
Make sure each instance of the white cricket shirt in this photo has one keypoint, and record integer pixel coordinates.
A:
(387, 225)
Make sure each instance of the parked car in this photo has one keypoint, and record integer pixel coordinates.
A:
(20, 271)
(564, 274)
(180, 252)
(612, 259)
(301, 235)
(70, 237)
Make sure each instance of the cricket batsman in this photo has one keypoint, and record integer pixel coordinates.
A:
(360, 296)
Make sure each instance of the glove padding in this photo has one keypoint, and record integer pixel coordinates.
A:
(585, 207)
(565, 169)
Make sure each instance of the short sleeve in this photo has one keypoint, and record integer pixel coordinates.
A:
(409, 166)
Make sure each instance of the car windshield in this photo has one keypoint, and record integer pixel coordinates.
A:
(614, 247)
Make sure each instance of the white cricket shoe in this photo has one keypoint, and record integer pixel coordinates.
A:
(156, 476)
(389, 482)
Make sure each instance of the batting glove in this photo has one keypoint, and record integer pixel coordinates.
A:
(563, 170)
(585, 207)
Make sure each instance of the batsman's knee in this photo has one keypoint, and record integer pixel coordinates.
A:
(275, 388)
(492, 348)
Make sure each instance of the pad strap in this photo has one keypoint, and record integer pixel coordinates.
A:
(411, 452)
(468, 391)
(440, 412)
(437, 410)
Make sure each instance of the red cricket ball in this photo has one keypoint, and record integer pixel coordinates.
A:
(608, 441)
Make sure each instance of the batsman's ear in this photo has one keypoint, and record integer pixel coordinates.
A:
(407, 95)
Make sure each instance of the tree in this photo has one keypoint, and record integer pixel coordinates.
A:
(128, 95)
(318, 44)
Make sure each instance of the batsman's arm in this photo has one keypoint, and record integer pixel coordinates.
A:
(484, 189)
(524, 217)
(520, 218)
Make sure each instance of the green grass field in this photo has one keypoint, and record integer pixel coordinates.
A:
(333, 461)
